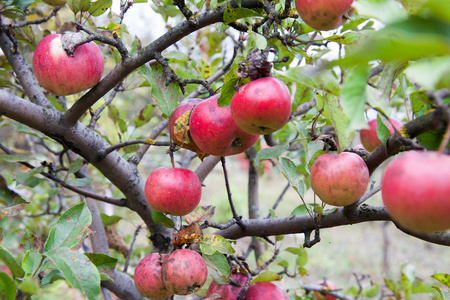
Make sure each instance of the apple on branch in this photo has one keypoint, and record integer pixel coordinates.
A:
(324, 14)
(339, 179)
(62, 74)
(369, 137)
(262, 106)
(175, 191)
(416, 190)
(214, 131)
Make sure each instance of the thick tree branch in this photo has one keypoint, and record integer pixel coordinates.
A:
(301, 224)
(146, 54)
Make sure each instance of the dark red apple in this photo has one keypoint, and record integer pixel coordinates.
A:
(174, 191)
(147, 278)
(228, 291)
(416, 190)
(179, 125)
(327, 286)
(264, 290)
(324, 14)
(64, 75)
(214, 131)
(339, 180)
(262, 106)
(184, 271)
(369, 137)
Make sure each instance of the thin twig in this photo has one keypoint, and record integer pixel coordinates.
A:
(104, 153)
(38, 21)
(136, 232)
(230, 199)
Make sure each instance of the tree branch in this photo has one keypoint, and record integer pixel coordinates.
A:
(303, 223)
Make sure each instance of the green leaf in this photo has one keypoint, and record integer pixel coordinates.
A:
(176, 56)
(75, 166)
(79, 5)
(70, 229)
(99, 7)
(7, 287)
(204, 69)
(406, 285)
(348, 37)
(78, 271)
(431, 73)
(159, 217)
(384, 10)
(32, 261)
(144, 115)
(51, 277)
(109, 220)
(211, 243)
(306, 209)
(271, 152)
(80, 181)
(29, 285)
(302, 255)
(312, 77)
(444, 294)
(11, 263)
(232, 14)
(372, 291)
(258, 40)
(103, 262)
(410, 39)
(394, 287)
(443, 278)
(165, 96)
(267, 276)
(219, 261)
(288, 168)
(334, 113)
(227, 92)
(56, 103)
(353, 96)
(383, 132)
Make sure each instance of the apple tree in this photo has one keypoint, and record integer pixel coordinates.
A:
(89, 110)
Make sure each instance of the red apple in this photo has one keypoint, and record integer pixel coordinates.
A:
(214, 131)
(416, 190)
(264, 290)
(174, 191)
(184, 271)
(179, 125)
(147, 278)
(228, 291)
(262, 106)
(327, 286)
(324, 14)
(369, 137)
(339, 180)
(63, 75)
